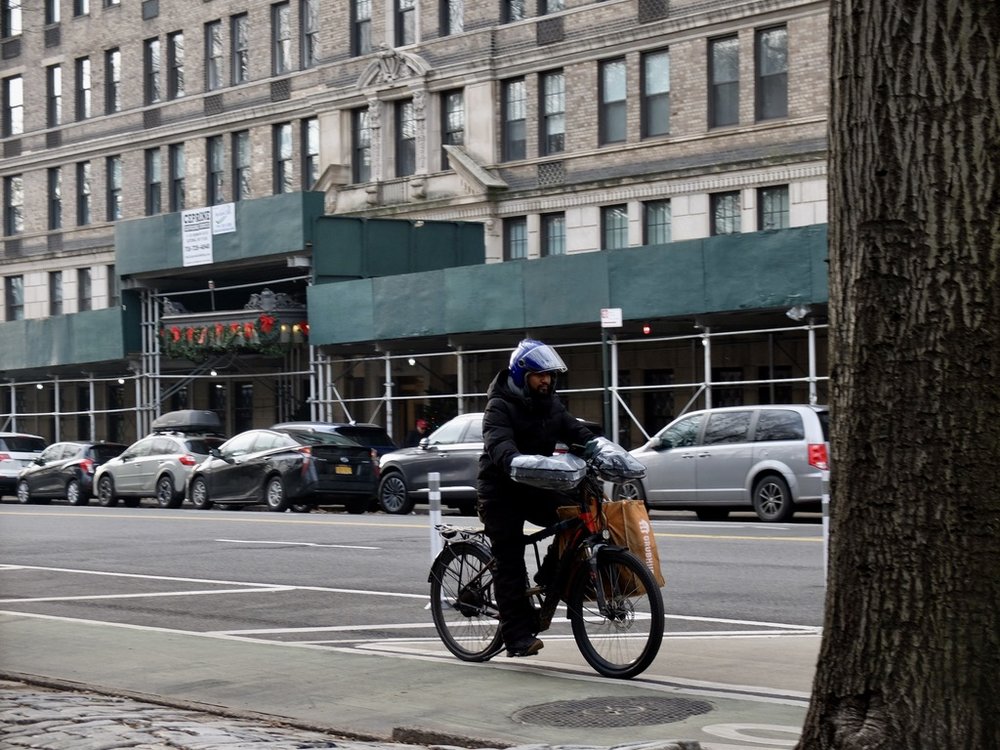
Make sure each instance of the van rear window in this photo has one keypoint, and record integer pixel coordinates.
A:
(779, 424)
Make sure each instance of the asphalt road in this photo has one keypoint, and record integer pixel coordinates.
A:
(335, 581)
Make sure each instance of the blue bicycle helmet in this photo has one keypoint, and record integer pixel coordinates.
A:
(533, 356)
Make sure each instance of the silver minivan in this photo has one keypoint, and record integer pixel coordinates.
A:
(772, 459)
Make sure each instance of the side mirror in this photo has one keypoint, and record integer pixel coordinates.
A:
(39, 460)
(214, 453)
(425, 443)
(662, 444)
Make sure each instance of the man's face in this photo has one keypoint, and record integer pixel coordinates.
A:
(539, 382)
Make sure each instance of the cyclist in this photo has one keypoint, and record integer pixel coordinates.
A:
(523, 416)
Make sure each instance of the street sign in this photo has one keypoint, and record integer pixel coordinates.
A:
(611, 317)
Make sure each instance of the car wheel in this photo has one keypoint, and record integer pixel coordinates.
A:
(199, 494)
(106, 492)
(75, 494)
(23, 492)
(712, 514)
(357, 505)
(165, 494)
(392, 494)
(274, 494)
(772, 500)
(630, 491)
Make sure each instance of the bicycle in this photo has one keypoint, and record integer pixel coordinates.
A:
(613, 601)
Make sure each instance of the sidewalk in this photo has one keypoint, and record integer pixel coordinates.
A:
(199, 693)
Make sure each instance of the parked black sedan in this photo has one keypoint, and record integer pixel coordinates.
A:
(64, 471)
(284, 469)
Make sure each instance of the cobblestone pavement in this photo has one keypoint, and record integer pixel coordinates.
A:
(54, 719)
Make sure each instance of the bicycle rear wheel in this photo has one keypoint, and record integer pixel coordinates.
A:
(624, 639)
(462, 604)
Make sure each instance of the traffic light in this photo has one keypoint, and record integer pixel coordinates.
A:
(646, 329)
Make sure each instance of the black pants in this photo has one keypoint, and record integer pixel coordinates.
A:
(504, 520)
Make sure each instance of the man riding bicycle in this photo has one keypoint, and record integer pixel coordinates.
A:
(523, 416)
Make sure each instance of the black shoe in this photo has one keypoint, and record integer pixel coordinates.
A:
(527, 646)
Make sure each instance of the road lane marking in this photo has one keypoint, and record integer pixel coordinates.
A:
(296, 544)
(265, 590)
(328, 589)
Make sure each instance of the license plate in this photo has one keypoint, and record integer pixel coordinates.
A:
(342, 470)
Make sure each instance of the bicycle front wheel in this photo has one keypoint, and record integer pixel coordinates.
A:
(462, 604)
(623, 638)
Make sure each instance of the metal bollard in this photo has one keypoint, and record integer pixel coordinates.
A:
(826, 526)
(434, 497)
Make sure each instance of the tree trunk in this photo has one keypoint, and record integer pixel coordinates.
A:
(911, 645)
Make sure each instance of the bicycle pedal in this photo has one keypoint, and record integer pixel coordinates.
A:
(535, 590)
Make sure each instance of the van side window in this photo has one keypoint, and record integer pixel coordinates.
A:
(779, 424)
(683, 434)
(727, 427)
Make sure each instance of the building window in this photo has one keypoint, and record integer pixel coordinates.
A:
(724, 81)
(655, 93)
(452, 122)
(13, 204)
(216, 154)
(53, 95)
(281, 38)
(553, 234)
(309, 21)
(551, 6)
(175, 175)
(81, 7)
(10, 20)
(154, 182)
(406, 138)
(553, 135)
(83, 193)
(772, 207)
(112, 81)
(241, 49)
(112, 3)
(361, 146)
(55, 293)
(52, 12)
(614, 226)
(656, 222)
(772, 73)
(151, 71)
(513, 10)
(515, 238)
(84, 289)
(54, 191)
(175, 65)
(213, 55)
(241, 165)
(113, 291)
(14, 293)
(514, 113)
(13, 106)
(113, 182)
(725, 208)
(82, 67)
(612, 124)
(361, 27)
(310, 152)
(452, 17)
(406, 22)
(282, 150)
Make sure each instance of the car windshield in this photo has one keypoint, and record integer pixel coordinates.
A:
(321, 438)
(106, 452)
(203, 445)
(24, 444)
(366, 436)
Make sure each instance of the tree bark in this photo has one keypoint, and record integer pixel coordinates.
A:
(910, 657)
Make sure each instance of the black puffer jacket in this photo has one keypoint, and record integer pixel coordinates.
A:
(516, 424)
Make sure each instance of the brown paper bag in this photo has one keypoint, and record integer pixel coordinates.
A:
(628, 522)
